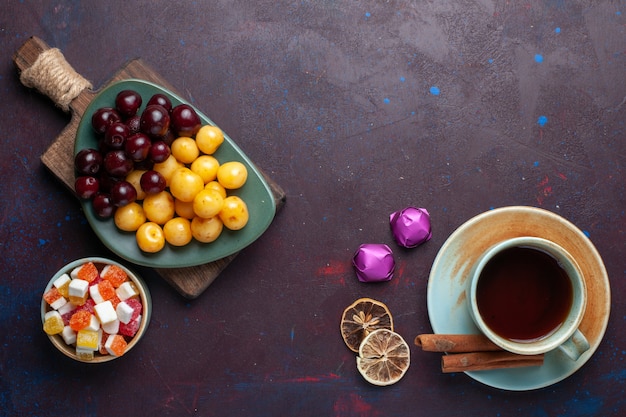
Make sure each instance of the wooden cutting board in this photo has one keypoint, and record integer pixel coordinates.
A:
(45, 69)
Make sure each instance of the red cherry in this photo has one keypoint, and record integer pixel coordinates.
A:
(127, 102)
(102, 205)
(86, 186)
(159, 151)
(185, 121)
(152, 182)
(155, 121)
(88, 161)
(161, 100)
(117, 163)
(138, 146)
(115, 135)
(123, 193)
(103, 117)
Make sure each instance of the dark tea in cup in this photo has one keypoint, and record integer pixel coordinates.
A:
(523, 294)
(528, 296)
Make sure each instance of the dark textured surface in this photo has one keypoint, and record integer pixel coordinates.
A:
(357, 109)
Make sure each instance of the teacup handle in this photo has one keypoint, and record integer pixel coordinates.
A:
(575, 346)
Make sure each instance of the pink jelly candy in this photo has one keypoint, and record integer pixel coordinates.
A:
(135, 305)
(131, 328)
(89, 306)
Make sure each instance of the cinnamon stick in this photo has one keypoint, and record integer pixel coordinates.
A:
(473, 352)
(454, 343)
(481, 361)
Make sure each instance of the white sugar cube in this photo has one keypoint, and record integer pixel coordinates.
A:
(61, 281)
(84, 354)
(94, 292)
(125, 291)
(58, 303)
(52, 314)
(105, 312)
(111, 327)
(76, 271)
(78, 288)
(124, 312)
(66, 308)
(68, 335)
(108, 345)
(94, 324)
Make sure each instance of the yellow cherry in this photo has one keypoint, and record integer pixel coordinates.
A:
(177, 231)
(234, 213)
(209, 138)
(185, 150)
(159, 207)
(129, 217)
(214, 185)
(150, 237)
(206, 166)
(206, 230)
(185, 184)
(232, 175)
(207, 203)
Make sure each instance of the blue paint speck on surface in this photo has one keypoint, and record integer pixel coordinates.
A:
(434, 90)
(402, 79)
(386, 101)
(368, 14)
(542, 120)
(557, 30)
(538, 58)
(536, 163)
(319, 128)
(586, 233)
(618, 376)
(582, 407)
(490, 60)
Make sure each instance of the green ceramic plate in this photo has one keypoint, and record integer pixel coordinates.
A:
(256, 193)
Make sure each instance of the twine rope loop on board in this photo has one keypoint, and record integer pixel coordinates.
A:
(54, 77)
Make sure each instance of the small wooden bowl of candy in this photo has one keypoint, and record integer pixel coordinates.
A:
(95, 310)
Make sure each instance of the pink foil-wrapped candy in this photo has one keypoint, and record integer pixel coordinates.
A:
(410, 226)
(374, 262)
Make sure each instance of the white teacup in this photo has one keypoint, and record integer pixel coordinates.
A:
(528, 296)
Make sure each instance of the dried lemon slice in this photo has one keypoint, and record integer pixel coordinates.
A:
(384, 357)
(362, 318)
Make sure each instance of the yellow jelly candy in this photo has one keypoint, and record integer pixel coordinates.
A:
(87, 339)
(62, 284)
(84, 354)
(53, 323)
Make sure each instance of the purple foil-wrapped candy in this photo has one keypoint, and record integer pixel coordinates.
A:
(411, 226)
(374, 262)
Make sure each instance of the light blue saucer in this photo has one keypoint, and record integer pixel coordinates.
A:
(448, 308)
